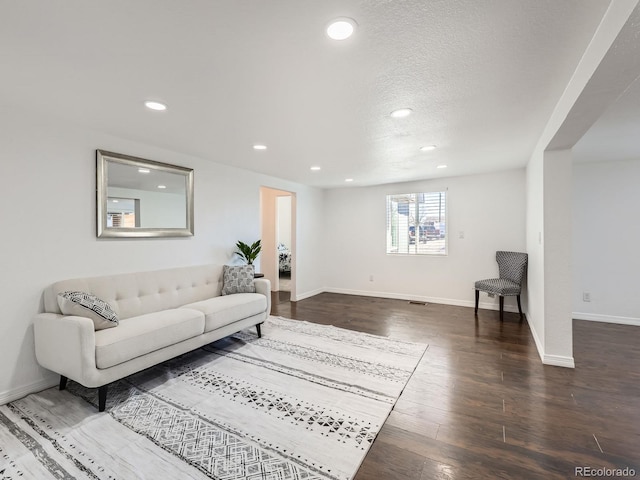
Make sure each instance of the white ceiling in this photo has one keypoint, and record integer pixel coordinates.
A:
(615, 136)
(604, 122)
(481, 77)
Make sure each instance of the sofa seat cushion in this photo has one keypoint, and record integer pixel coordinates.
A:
(140, 335)
(224, 310)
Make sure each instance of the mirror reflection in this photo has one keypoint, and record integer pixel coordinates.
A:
(143, 198)
(123, 212)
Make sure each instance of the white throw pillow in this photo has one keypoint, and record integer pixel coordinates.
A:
(82, 304)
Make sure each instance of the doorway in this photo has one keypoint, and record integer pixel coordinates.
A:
(283, 239)
(278, 262)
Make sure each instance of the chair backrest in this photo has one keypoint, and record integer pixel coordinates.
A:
(512, 265)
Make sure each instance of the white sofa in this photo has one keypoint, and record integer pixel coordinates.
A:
(161, 314)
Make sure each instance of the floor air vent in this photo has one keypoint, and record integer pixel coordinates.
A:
(412, 302)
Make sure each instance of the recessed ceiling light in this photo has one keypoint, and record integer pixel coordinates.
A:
(348, 179)
(315, 168)
(401, 112)
(427, 148)
(155, 105)
(441, 166)
(162, 186)
(341, 28)
(259, 147)
(143, 170)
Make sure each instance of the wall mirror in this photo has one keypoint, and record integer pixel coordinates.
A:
(142, 198)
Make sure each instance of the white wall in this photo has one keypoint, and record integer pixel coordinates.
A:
(283, 209)
(535, 248)
(558, 332)
(489, 209)
(548, 234)
(606, 240)
(45, 164)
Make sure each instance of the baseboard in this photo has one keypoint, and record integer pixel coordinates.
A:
(536, 339)
(558, 361)
(17, 393)
(422, 298)
(596, 317)
(400, 296)
(555, 360)
(304, 295)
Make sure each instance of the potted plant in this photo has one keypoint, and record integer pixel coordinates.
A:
(248, 252)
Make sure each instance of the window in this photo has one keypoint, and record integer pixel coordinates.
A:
(417, 223)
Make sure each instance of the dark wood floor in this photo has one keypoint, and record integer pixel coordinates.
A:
(481, 404)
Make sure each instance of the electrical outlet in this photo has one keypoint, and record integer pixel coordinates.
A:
(586, 297)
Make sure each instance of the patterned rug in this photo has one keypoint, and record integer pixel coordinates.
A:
(305, 401)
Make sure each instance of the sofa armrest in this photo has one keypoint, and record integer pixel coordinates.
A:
(263, 286)
(66, 345)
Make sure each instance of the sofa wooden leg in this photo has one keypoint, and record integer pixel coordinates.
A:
(259, 330)
(63, 382)
(102, 398)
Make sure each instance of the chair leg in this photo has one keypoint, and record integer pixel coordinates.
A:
(519, 307)
(102, 398)
(477, 299)
(63, 382)
(501, 308)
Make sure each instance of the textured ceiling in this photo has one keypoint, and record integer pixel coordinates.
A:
(481, 77)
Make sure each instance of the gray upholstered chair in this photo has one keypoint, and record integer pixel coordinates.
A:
(513, 268)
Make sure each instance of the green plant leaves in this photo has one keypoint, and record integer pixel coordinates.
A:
(248, 252)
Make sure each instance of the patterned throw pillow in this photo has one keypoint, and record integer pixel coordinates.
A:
(82, 304)
(238, 279)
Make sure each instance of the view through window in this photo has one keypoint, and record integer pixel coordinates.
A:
(416, 223)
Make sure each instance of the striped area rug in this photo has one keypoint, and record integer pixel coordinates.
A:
(305, 401)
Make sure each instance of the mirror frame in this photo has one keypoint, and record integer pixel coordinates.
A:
(103, 158)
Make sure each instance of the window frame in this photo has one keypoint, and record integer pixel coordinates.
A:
(420, 245)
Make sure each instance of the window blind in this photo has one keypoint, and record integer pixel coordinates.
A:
(417, 223)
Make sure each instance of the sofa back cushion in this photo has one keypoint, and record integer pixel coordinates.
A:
(83, 304)
(133, 294)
